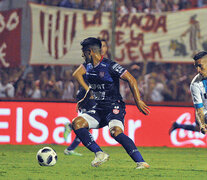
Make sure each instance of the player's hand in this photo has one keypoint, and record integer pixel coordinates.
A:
(77, 108)
(84, 100)
(80, 104)
(143, 107)
(203, 129)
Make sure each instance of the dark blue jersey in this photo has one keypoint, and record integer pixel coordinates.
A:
(81, 92)
(89, 103)
(104, 81)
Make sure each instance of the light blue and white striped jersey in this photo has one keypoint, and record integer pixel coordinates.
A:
(198, 88)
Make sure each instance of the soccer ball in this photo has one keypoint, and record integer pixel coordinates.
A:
(46, 156)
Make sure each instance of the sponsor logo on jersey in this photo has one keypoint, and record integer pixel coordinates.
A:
(97, 86)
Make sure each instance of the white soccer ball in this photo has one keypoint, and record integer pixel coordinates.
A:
(46, 156)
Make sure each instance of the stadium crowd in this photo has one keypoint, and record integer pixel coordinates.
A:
(158, 82)
(127, 6)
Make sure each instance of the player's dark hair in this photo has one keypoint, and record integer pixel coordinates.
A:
(200, 55)
(91, 42)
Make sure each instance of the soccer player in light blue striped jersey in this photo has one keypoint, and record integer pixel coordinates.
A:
(198, 88)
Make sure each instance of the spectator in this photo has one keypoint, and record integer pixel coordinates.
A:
(31, 90)
(154, 91)
(170, 88)
(52, 89)
(42, 83)
(66, 4)
(15, 74)
(88, 5)
(129, 6)
(183, 4)
(104, 5)
(67, 86)
(77, 4)
(121, 8)
(126, 6)
(200, 3)
(139, 5)
(50, 2)
(19, 90)
(146, 6)
(105, 48)
(6, 88)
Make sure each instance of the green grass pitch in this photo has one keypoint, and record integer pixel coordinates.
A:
(18, 162)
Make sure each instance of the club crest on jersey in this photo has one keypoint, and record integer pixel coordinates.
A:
(101, 74)
(116, 110)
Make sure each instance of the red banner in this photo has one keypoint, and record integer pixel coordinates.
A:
(43, 123)
(10, 38)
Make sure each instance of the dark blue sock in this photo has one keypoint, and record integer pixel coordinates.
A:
(188, 127)
(74, 144)
(87, 139)
(130, 147)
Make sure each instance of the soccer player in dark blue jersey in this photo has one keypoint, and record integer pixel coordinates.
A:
(70, 150)
(103, 77)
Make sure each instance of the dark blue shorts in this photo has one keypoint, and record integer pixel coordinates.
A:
(98, 117)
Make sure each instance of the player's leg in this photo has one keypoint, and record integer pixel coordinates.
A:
(67, 130)
(115, 120)
(116, 129)
(70, 149)
(81, 125)
(188, 127)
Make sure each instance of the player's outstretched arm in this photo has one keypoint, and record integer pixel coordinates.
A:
(84, 100)
(135, 91)
(78, 75)
(200, 117)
